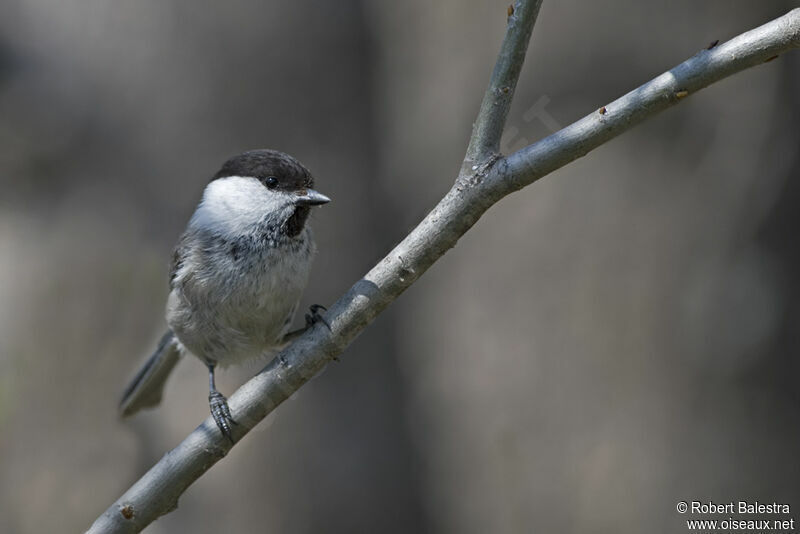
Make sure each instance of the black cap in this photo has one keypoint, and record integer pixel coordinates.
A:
(274, 169)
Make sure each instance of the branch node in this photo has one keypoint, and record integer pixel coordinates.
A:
(478, 171)
(127, 511)
(215, 452)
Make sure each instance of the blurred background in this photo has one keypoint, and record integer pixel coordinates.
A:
(617, 337)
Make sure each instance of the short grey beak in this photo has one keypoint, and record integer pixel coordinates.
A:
(311, 198)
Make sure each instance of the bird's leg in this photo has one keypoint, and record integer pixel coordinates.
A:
(312, 318)
(219, 405)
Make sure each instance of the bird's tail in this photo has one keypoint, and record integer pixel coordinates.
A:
(145, 390)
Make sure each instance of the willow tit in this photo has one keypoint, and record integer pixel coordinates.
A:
(237, 274)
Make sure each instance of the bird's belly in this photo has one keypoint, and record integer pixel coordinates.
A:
(242, 314)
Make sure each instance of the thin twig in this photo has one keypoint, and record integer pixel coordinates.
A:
(157, 492)
(488, 128)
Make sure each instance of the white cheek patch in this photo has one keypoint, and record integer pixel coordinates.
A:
(232, 205)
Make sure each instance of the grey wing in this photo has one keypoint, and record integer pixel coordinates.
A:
(178, 257)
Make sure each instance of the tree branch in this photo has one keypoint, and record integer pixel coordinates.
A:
(488, 128)
(481, 184)
(749, 49)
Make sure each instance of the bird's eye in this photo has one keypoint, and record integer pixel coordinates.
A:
(272, 182)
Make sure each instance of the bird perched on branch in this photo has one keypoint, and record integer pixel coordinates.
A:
(237, 274)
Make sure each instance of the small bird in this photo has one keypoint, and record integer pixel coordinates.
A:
(237, 275)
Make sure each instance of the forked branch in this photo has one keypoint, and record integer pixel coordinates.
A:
(485, 178)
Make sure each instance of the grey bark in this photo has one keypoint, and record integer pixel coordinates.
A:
(485, 178)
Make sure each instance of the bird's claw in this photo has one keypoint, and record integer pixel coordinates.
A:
(315, 317)
(221, 413)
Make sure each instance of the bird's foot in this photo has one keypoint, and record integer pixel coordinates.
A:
(314, 316)
(221, 413)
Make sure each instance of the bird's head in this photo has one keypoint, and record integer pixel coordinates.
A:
(258, 187)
